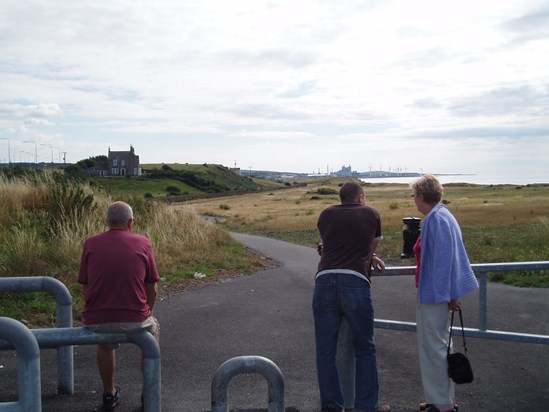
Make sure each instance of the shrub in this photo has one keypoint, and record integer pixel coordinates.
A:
(173, 190)
(224, 206)
(326, 191)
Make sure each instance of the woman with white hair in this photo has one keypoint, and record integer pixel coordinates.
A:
(443, 275)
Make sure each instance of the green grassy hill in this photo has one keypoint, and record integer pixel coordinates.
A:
(171, 180)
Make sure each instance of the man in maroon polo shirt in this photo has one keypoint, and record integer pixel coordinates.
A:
(119, 275)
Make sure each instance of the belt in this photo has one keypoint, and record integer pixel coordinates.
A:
(343, 271)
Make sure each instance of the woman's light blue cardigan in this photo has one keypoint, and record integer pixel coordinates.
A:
(445, 270)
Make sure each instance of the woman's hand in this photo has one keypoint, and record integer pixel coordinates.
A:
(454, 305)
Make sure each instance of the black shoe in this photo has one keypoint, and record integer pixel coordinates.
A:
(110, 401)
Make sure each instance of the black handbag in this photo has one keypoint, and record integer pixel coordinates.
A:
(459, 367)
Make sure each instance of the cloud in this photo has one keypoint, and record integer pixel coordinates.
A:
(45, 110)
(16, 110)
(273, 135)
(512, 134)
(529, 27)
(32, 110)
(293, 85)
(19, 130)
(36, 121)
(270, 111)
(295, 59)
(522, 100)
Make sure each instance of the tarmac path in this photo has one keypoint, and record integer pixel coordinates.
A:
(269, 314)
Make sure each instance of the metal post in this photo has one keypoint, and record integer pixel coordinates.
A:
(483, 301)
(63, 300)
(28, 366)
(9, 150)
(248, 364)
(151, 370)
(56, 337)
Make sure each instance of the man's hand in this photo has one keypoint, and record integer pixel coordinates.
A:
(378, 264)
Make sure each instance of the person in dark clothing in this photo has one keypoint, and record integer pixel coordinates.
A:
(350, 233)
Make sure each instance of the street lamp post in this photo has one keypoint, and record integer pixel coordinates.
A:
(58, 154)
(9, 151)
(15, 156)
(35, 150)
(51, 148)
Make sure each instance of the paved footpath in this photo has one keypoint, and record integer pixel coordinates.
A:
(269, 314)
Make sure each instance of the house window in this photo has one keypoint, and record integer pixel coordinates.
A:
(122, 163)
(115, 171)
(115, 162)
(135, 171)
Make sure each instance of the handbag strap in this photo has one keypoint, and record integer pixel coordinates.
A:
(462, 332)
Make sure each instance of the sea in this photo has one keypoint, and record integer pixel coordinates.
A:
(466, 178)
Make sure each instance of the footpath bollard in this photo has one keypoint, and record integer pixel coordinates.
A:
(248, 364)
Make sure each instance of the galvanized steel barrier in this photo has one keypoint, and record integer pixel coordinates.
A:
(482, 269)
(248, 364)
(55, 337)
(64, 336)
(63, 300)
(28, 366)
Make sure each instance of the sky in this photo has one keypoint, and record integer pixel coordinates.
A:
(292, 85)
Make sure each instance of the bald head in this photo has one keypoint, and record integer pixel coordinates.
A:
(119, 215)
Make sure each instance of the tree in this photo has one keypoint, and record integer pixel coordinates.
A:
(91, 161)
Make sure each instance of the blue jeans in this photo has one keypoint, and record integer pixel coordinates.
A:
(345, 363)
(337, 295)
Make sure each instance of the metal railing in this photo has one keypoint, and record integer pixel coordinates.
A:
(63, 301)
(64, 336)
(482, 269)
(28, 366)
(55, 337)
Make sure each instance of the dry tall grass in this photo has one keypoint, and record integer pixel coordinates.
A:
(298, 208)
(181, 236)
(35, 232)
(44, 221)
